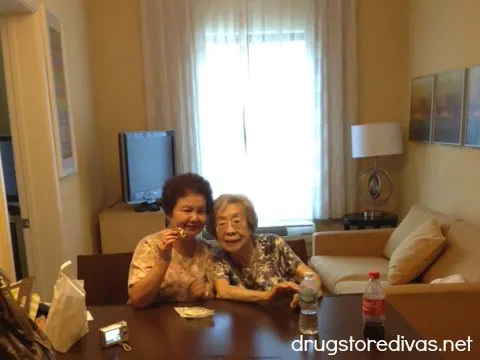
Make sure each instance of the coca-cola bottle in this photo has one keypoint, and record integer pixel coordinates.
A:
(374, 308)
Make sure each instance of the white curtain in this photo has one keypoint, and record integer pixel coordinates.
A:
(337, 34)
(170, 78)
(261, 94)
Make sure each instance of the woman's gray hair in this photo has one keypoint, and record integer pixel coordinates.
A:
(226, 199)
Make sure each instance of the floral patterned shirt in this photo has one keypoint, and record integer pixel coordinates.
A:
(181, 272)
(273, 262)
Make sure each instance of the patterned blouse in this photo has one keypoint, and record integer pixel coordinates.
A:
(273, 262)
(181, 272)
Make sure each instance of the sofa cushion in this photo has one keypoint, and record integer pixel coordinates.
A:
(415, 217)
(461, 254)
(416, 253)
(355, 287)
(333, 269)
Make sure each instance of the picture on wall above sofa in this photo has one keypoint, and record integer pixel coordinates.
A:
(472, 136)
(421, 109)
(448, 105)
(445, 108)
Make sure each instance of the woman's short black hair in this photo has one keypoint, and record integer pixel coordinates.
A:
(180, 186)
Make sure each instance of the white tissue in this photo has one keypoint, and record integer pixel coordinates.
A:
(452, 279)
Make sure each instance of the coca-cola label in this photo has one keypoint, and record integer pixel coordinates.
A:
(373, 307)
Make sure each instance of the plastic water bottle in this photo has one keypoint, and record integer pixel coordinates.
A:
(308, 301)
(374, 308)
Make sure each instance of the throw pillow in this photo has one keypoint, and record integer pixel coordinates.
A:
(416, 216)
(416, 253)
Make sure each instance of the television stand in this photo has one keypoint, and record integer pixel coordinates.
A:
(145, 206)
(121, 227)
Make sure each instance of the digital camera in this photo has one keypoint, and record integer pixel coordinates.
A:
(114, 334)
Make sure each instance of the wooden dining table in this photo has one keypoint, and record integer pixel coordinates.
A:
(242, 331)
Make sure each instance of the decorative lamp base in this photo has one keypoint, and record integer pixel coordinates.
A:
(370, 215)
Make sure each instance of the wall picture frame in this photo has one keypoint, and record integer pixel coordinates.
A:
(472, 108)
(61, 109)
(421, 107)
(448, 114)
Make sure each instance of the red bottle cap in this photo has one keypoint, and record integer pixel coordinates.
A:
(374, 275)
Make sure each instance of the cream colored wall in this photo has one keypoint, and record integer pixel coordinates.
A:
(383, 84)
(117, 78)
(63, 212)
(119, 97)
(443, 35)
(82, 193)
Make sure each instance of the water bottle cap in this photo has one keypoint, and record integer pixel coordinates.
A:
(374, 275)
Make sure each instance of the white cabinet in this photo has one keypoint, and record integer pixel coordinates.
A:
(8, 7)
(121, 228)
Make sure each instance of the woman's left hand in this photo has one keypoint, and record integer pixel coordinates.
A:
(201, 290)
(294, 302)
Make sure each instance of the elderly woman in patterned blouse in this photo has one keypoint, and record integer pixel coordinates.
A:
(251, 267)
(175, 264)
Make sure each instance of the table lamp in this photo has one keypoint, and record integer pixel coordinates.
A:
(374, 185)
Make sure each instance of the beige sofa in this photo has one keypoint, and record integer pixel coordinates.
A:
(344, 258)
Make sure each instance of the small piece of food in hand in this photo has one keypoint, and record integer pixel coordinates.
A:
(181, 232)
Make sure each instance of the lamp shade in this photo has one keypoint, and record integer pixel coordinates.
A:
(377, 139)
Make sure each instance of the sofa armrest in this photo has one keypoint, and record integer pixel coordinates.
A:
(437, 311)
(351, 243)
(417, 289)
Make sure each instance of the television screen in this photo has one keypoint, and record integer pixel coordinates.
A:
(10, 179)
(147, 160)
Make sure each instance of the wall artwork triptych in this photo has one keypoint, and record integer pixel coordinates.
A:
(445, 108)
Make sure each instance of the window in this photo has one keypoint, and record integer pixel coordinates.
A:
(258, 117)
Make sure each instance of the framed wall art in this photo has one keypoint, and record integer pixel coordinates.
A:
(421, 101)
(472, 112)
(62, 122)
(448, 107)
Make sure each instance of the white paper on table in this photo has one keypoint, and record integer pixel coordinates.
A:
(194, 312)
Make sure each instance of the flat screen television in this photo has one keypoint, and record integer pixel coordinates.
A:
(147, 160)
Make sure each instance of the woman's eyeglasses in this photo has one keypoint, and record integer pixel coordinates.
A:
(222, 225)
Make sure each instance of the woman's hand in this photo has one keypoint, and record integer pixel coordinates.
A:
(199, 289)
(295, 300)
(165, 239)
(281, 290)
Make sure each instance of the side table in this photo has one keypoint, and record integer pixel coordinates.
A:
(358, 219)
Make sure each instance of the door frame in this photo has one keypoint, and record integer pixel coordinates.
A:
(6, 253)
(23, 42)
(6, 257)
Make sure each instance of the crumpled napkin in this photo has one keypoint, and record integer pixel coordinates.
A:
(194, 312)
(452, 279)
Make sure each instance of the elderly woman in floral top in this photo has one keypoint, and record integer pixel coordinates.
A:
(174, 264)
(251, 267)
